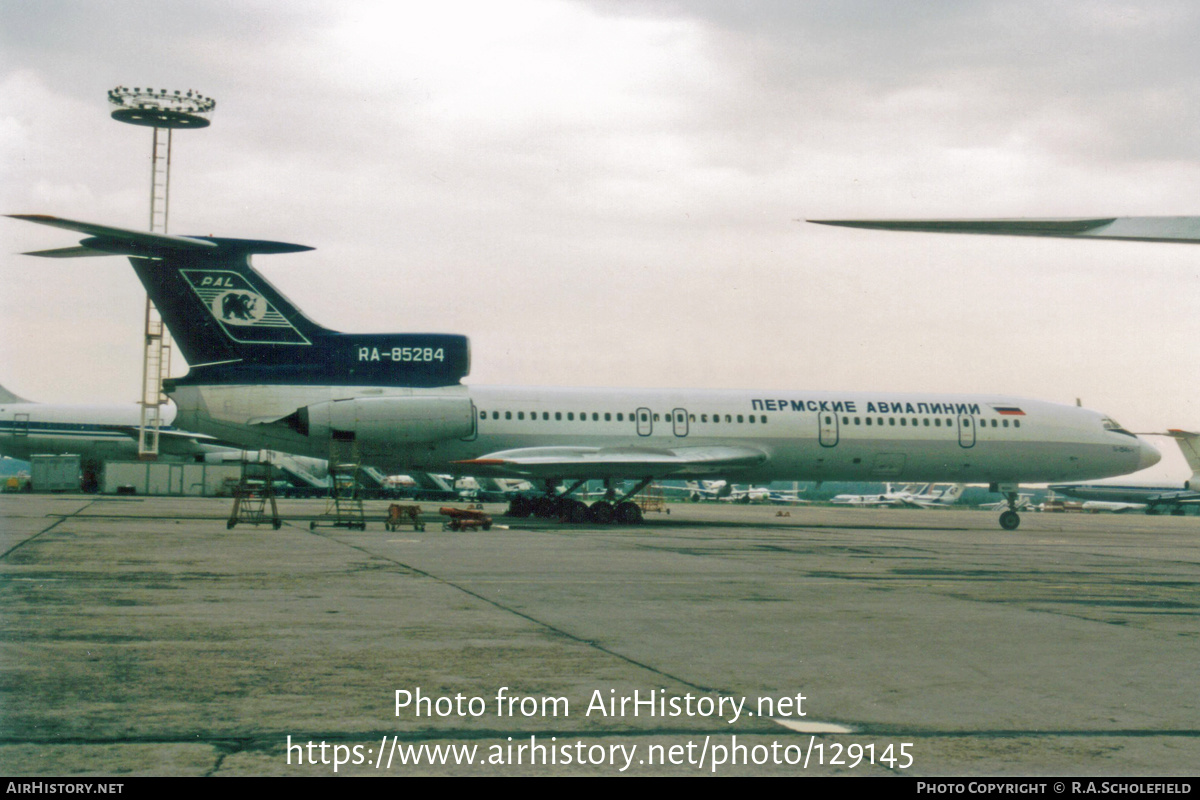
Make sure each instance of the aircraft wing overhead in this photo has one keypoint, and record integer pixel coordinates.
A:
(1184, 230)
(631, 462)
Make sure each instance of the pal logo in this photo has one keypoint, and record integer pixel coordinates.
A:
(239, 307)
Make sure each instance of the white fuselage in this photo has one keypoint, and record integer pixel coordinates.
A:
(803, 435)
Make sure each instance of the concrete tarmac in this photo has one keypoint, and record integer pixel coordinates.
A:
(142, 637)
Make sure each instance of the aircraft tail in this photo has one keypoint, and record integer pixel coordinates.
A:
(952, 493)
(1189, 445)
(233, 326)
(8, 397)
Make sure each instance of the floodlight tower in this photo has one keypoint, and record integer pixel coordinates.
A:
(163, 111)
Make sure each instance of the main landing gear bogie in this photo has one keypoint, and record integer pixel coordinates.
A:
(572, 511)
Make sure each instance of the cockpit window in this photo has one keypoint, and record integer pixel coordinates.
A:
(1111, 424)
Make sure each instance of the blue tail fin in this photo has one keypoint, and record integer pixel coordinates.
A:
(234, 327)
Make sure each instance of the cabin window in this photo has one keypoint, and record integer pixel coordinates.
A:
(1006, 423)
(483, 415)
(508, 415)
(495, 415)
(926, 422)
(763, 418)
(857, 421)
(704, 417)
(728, 418)
(607, 416)
(903, 421)
(558, 415)
(1016, 423)
(570, 416)
(751, 418)
(739, 417)
(620, 417)
(520, 415)
(868, 420)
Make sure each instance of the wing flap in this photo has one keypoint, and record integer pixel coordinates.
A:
(618, 462)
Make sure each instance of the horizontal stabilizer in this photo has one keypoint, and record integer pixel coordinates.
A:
(110, 240)
(584, 462)
(67, 252)
(144, 238)
(1184, 230)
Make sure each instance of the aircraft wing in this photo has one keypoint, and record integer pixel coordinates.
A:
(1183, 496)
(912, 502)
(170, 441)
(1185, 230)
(618, 462)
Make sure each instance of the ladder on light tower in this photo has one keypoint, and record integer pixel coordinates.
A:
(156, 359)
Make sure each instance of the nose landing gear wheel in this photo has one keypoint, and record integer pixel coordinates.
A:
(1009, 520)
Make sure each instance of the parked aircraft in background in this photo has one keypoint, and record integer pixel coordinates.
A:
(911, 495)
(1153, 498)
(96, 433)
(734, 493)
(266, 376)
(99, 433)
(1109, 507)
(709, 490)
(880, 500)
(1024, 503)
(729, 492)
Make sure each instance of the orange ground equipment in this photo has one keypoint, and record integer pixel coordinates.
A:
(464, 519)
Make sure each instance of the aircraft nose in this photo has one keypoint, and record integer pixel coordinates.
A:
(1148, 455)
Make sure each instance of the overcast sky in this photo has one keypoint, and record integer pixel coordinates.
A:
(606, 193)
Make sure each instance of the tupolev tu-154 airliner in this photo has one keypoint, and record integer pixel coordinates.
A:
(264, 375)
